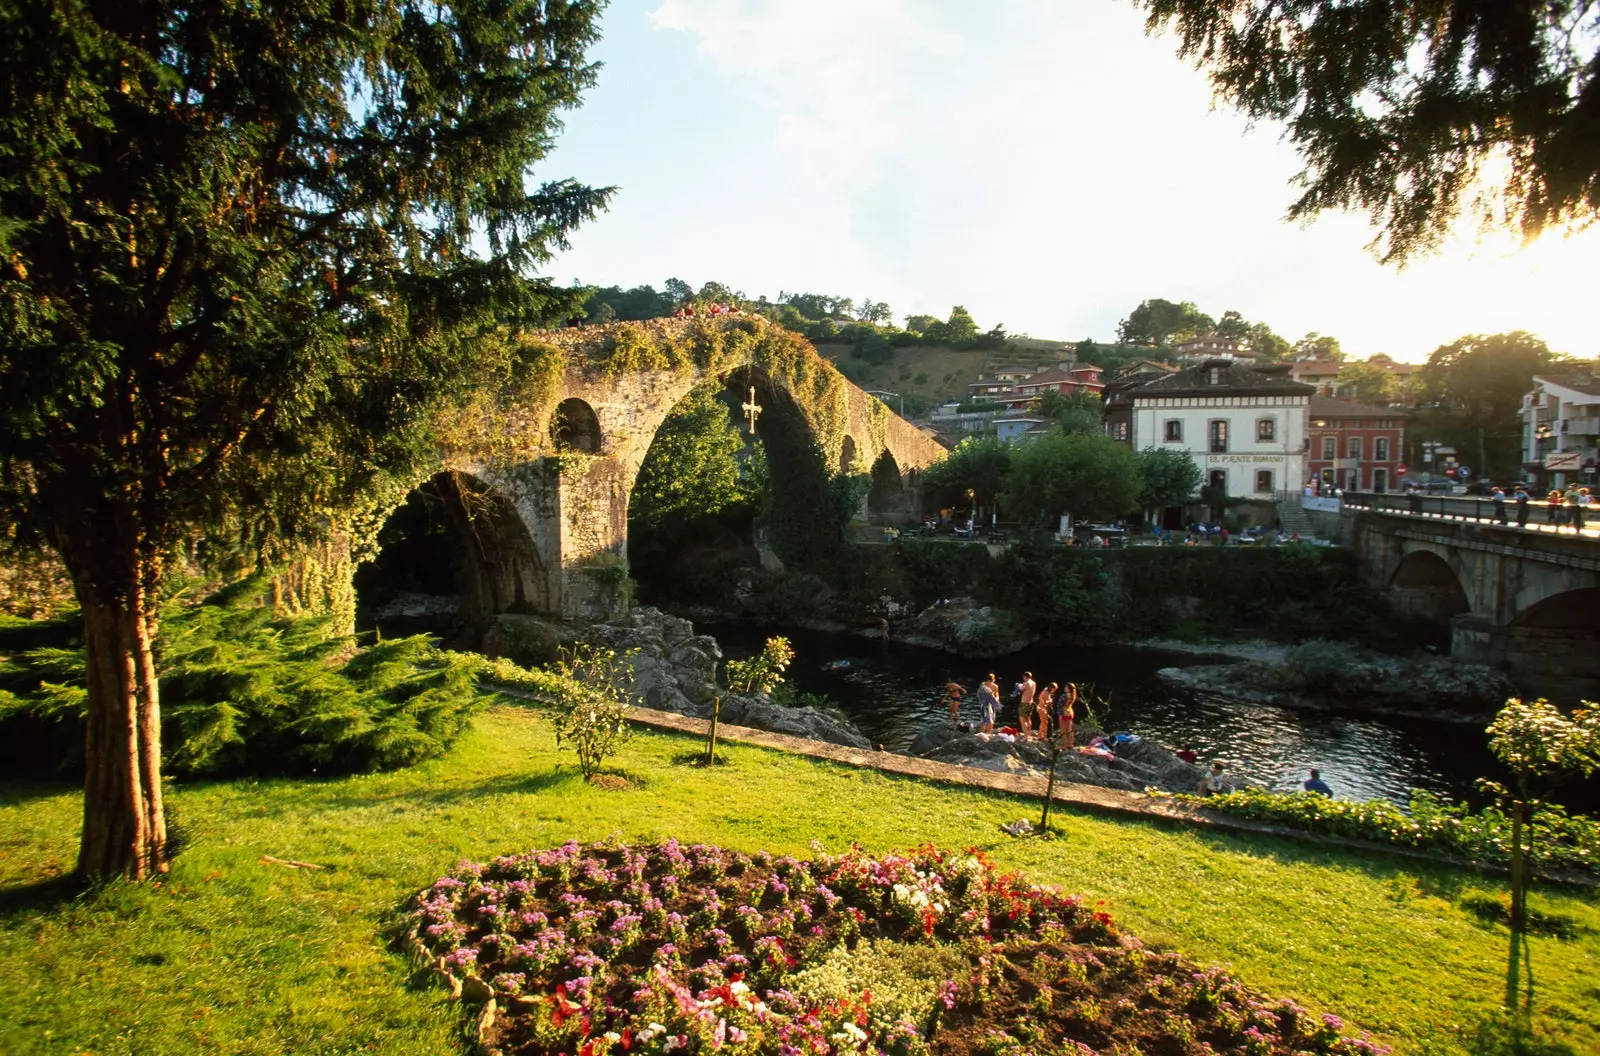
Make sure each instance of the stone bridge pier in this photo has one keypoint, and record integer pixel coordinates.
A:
(547, 525)
(1522, 601)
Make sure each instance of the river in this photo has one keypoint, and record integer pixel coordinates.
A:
(893, 692)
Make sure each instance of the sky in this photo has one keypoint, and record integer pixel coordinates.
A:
(1045, 164)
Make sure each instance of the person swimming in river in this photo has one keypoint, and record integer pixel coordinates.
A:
(989, 697)
(952, 696)
(1042, 703)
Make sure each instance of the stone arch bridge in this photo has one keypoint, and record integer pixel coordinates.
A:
(1528, 602)
(547, 520)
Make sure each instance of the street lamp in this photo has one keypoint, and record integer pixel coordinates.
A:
(881, 393)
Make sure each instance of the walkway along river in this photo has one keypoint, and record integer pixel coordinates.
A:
(892, 692)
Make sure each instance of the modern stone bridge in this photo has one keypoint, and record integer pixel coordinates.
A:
(547, 520)
(1525, 601)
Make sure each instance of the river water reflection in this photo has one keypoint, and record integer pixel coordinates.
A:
(893, 692)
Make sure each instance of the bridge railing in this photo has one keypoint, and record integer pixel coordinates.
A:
(1542, 515)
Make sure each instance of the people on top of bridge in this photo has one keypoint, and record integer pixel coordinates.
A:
(1498, 497)
(1577, 498)
(1558, 517)
(1521, 495)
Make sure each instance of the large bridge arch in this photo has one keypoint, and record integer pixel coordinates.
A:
(1531, 599)
(1423, 584)
(563, 445)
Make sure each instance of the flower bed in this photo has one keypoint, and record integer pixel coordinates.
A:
(612, 948)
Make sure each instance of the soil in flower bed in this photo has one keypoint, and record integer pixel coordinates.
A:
(613, 948)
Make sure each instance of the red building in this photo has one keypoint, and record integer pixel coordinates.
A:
(1354, 446)
(1066, 379)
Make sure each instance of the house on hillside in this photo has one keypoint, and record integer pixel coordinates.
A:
(1210, 346)
(1244, 427)
(1354, 446)
(1561, 425)
(1320, 374)
(1118, 404)
(998, 384)
(1066, 378)
(1020, 427)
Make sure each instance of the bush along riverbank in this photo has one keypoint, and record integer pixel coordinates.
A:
(1562, 842)
(611, 948)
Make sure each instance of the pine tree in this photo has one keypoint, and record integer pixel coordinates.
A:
(246, 252)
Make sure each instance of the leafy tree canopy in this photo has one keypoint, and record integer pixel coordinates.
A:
(1091, 477)
(1318, 346)
(250, 250)
(977, 464)
(1167, 477)
(1367, 382)
(1077, 413)
(692, 469)
(1476, 384)
(1161, 322)
(1397, 109)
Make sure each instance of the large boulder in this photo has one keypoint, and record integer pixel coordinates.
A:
(811, 723)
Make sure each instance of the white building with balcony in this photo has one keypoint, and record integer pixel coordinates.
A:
(1561, 425)
(1245, 428)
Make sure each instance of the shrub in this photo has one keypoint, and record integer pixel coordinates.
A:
(764, 671)
(1560, 840)
(588, 698)
(247, 690)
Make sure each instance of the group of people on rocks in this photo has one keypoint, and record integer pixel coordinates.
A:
(689, 311)
(1040, 708)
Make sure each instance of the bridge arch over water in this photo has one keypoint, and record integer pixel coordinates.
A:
(1525, 601)
(552, 502)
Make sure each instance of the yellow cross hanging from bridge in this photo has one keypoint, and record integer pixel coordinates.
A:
(752, 410)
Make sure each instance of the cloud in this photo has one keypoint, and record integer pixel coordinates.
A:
(1047, 165)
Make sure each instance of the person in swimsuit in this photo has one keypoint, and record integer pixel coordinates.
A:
(1026, 690)
(1041, 709)
(952, 695)
(1066, 715)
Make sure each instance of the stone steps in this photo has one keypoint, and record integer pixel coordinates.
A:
(1294, 519)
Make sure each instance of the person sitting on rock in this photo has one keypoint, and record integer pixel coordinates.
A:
(1188, 754)
(1317, 785)
(1213, 784)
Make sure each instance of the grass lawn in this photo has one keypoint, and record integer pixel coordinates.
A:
(230, 955)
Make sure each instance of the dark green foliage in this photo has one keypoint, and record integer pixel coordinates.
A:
(1475, 385)
(1168, 477)
(934, 569)
(978, 464)
(1091, 477)
(1287, 593)
(613, 303)
(1060, 591)
(1161, 322)
(247, 691)
(1395, 107)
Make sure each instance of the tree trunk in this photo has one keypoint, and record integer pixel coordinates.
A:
(1519, 871)
(124, 824)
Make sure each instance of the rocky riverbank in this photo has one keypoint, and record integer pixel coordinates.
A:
(1134, 768)
(674, 669)
(1335, 676)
